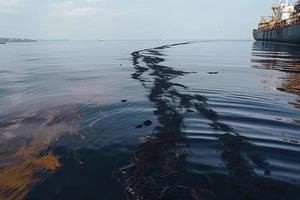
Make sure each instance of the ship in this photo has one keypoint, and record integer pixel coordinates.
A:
(283, 26)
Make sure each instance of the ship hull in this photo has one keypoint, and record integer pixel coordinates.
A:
(290, 34)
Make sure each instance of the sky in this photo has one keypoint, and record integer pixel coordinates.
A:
(131, 19)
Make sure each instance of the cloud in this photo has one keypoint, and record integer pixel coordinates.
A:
(94, 0)
(7, 11)
(81, 12)
(10, 6)
(9, 3)
(72, 9)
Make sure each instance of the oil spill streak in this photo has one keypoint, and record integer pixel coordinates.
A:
(158, 170)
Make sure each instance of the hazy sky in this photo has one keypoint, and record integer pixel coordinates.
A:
(131, 19)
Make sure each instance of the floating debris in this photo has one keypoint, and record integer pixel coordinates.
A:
(144, 139)
(267, 172)
(127, 167)
(169, 174)
(286, 138)
(147, 123)
(139, 126)
(212, 72)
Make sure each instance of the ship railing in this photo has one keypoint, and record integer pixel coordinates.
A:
(266, 19)
(294, 20)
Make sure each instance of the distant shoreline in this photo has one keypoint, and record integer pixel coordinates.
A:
(7, 40)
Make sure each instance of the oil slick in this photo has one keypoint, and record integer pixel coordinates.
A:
(25, 156)
(159, 165)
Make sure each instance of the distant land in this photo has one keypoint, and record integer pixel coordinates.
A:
(6, 40)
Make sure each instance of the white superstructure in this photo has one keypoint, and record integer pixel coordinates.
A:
(283, 10)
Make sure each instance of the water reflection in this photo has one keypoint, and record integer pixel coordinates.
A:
(24, 153)
(159, 165)
(183, 135)
(281, 57)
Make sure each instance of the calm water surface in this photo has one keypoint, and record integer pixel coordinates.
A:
(149, 120)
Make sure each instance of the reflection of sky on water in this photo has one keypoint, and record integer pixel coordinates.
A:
(65, 128)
